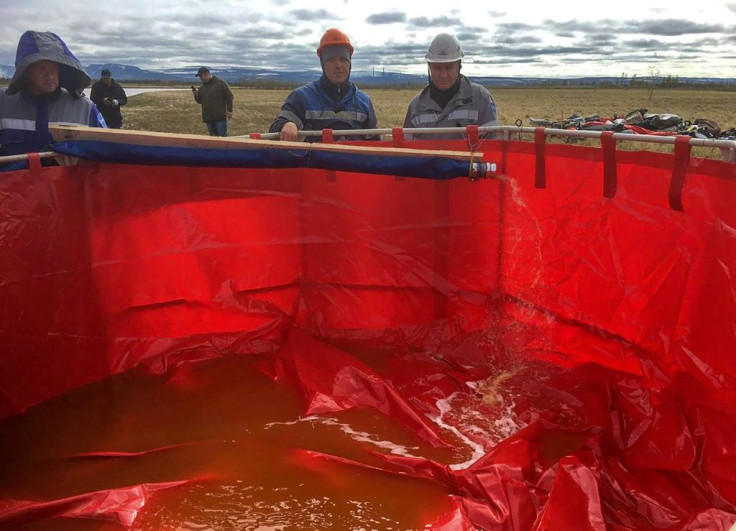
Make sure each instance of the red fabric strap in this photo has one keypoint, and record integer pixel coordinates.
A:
(473, 139)
(679, 169)
(327, 136)
(610, 176)
(397, 135)
(540, 177)
(34, 161)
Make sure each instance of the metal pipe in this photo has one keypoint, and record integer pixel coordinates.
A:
(24, 156)
(507, 130)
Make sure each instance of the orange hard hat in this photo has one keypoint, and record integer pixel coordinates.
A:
(334, 37)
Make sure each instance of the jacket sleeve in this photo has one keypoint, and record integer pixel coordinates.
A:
(410, 110)
(95, 118)
(120, 96)
(293, 110)
(228, 97)
(96, 94)
(407, 119)
(371, 122)
(487, 113)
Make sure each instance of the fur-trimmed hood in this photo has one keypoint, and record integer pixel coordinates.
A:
(37, 46)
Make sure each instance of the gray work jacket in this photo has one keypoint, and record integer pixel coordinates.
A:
(472, 105)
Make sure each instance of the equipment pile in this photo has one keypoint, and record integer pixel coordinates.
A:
(641, 121)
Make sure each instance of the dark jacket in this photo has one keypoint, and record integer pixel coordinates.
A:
(111, 113)
(316, 106)
(25, 118)
(216, 99)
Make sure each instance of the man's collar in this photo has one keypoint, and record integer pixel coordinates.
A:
(334, 91)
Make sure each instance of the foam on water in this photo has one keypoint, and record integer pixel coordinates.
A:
(473, 421)
(358, 436)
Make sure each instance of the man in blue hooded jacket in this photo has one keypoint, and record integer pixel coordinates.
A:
(331, 102)
(46, 88)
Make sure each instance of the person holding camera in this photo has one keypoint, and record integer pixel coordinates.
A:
(216, 99)
(109, 97)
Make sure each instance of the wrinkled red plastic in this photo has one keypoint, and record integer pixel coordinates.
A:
(622, 309)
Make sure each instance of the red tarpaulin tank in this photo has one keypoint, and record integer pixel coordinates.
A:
(189, 347)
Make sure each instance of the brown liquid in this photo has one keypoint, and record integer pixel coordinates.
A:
(236, 437)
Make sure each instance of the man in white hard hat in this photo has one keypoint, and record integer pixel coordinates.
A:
(449, 99)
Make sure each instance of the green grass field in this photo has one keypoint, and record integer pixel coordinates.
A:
(176, 111)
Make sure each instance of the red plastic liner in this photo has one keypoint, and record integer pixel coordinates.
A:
(556, 358)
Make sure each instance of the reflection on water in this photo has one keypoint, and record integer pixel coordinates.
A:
(309, 505)
(358, 436)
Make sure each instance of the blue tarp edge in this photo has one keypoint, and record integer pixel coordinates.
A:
(425, 167)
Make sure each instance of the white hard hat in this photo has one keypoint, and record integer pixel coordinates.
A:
(444, 48)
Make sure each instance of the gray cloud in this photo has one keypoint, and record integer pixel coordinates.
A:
(667, 27)
(311, 15)
(643, 45)
(386, 18)
(439, 22)
(571, 26)
(678, 27)
(515, 26)
(468, 38)
(512, 40)
(399, 55)
(284, 37)
(600, 39)
(473, 30)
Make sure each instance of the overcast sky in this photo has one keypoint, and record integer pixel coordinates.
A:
(509, 38)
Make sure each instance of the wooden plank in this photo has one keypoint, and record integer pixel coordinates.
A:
(63, 133)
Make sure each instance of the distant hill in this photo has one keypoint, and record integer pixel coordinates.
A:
(244, 75)
(370, 78)
(129, 73)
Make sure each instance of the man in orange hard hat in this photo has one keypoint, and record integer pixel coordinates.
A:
(331, 102)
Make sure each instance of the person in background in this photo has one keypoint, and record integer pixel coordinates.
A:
(449, 99)
(216, 99)
(332, 101)
(109, 97)
(47, 86)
